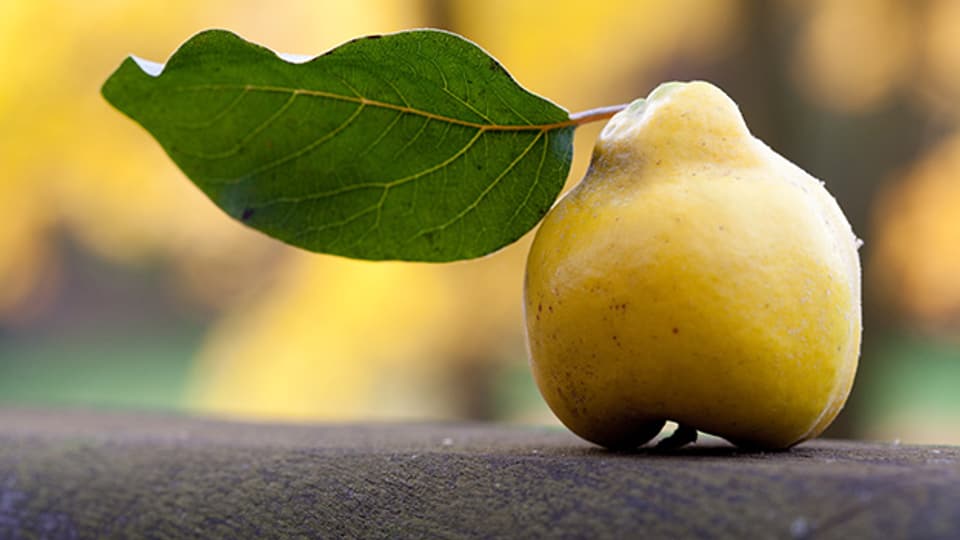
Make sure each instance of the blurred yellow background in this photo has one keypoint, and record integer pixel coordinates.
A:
(121, 285)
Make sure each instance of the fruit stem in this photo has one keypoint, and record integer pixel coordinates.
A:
(595, 115)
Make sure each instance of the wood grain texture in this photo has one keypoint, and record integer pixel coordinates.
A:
(98, 475)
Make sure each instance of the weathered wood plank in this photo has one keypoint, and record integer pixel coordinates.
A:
(86, 475)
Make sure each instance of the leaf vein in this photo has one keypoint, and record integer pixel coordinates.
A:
(413, 140)
(216, 117)
(339, 224)
(512, 108)
(484, 193)
(533, 185)
(292, 156)
(383, 134)
(239, 145)
(359, 99)
(470, 107)
(386, 186)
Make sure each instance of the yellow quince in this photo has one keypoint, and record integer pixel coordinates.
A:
(694, 275)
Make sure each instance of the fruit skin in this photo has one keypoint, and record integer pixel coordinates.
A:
(694, 275)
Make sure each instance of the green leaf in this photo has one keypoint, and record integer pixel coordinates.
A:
(414, 146)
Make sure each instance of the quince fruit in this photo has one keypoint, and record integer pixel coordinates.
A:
(694, 275)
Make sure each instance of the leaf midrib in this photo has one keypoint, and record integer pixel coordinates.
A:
(366, 102)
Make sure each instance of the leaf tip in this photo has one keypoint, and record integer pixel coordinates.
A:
(117, 85)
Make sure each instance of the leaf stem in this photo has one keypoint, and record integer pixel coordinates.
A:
(595, 115)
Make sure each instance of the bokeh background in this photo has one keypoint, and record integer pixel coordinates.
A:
(121, 286)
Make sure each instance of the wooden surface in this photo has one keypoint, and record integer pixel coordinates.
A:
(97, 475)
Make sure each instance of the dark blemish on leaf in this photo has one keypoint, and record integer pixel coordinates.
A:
(496, 67)
(247, 214)
(540, 307)
(676, 330)
(373, 36)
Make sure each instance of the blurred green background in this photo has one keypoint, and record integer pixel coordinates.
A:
(122, 286)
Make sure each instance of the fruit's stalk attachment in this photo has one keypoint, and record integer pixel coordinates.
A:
(595, 115)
